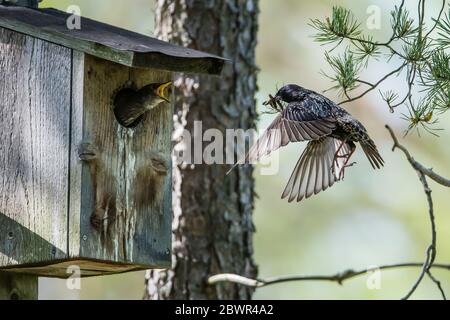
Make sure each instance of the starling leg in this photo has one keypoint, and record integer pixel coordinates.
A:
(346, 164)
(337, 156)
(342, 174)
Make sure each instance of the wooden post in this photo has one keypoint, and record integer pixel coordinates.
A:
(18, 287)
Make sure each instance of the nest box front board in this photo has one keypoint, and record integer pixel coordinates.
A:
(76, 187)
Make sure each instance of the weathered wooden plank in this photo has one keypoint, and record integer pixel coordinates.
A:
(75, 165)
(18, 286)
(125, 194)
(108, 42)
(149, 186)
(34, 122)
(102, 203)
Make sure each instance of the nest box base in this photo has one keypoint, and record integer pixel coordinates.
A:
(69, 268)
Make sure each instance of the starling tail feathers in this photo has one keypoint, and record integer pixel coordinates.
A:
(372, 153)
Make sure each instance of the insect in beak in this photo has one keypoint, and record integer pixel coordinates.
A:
(274, 102)
(161, 91)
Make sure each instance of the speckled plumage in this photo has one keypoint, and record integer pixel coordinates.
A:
(305, 104)
(331, 131)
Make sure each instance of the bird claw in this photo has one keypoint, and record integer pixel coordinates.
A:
(350, 164)
(342, 173)
(335, 161)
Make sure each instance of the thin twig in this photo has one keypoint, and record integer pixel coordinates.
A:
(411, 76)
(365, 82)
(423, 271)
(438, 284)
(431, 250)
(437, 20)
(416, 165)
(338, 277)
(387, 45)
(421, 14)
(373, 86)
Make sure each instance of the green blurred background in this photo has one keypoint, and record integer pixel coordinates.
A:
(373, 218)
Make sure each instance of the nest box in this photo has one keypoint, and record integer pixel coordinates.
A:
(80, 183)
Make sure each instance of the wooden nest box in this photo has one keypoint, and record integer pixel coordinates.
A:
(76, 186)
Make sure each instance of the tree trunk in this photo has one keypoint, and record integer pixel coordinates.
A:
(212, 223)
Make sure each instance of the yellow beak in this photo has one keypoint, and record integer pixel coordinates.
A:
(161, 91)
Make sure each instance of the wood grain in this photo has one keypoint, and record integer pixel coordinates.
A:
(149, 191)
(74, 184)
(125, 203)
(75, 165)
(102, 176)
(18, 286)
(34, 122)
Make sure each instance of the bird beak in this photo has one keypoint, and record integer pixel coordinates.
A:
(161, 91)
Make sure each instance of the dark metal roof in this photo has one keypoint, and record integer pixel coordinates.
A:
(108, 42)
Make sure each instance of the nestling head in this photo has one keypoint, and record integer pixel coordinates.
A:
(156, 91)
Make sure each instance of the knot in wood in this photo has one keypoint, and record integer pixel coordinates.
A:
(159, 164)
(87, 151)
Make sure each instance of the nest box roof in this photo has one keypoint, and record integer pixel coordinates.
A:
(108, 42)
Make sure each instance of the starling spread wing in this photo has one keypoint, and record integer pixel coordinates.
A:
(289, 126)
(314, 170)
(282, 131)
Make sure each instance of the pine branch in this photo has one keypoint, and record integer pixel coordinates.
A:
(373, 86)
(423, 53)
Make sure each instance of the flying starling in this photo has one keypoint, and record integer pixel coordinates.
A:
(304, 115)
(130, 105)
